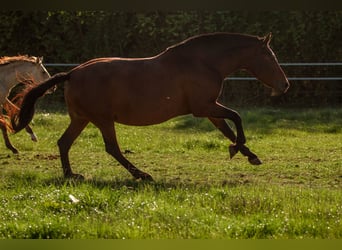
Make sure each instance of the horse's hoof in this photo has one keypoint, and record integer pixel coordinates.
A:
(254, 161)
(145, 177)
(232, 150)
(34, 138)
(15, 151)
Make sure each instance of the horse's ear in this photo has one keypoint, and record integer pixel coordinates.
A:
(267, 39)
(39, 59)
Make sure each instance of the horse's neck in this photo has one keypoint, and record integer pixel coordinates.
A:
(10, 75)
(228, 60)
(220, 56)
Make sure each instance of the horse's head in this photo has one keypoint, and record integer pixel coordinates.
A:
(38, 72)
(264, 66)
(31, 69)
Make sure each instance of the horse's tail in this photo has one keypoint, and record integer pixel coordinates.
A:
(26, 112)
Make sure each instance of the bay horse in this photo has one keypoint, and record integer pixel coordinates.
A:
(14, 70)
(186, 78)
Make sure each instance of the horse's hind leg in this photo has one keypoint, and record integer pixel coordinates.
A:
(7, 141)
(112, 147)
(64, 143)
(31, 133)
(228, 132)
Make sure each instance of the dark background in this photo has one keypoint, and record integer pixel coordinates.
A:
(77, 36)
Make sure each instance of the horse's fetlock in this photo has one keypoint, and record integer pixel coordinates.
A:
(240, 141)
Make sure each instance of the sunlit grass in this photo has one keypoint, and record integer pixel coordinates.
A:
(198, 191)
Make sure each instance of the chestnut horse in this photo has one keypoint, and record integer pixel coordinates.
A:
(186, 78)
(14, 70)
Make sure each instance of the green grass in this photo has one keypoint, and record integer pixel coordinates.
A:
(198, 191)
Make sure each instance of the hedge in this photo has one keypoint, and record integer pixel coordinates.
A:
(77, 36)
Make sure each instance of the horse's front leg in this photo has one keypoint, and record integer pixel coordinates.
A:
(228, 132)
(219, 112)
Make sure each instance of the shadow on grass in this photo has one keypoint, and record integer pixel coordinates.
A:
(138, 185)
(266, 120)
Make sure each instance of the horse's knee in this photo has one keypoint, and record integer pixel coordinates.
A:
(241, 140)
(113, 150)
(109, 150)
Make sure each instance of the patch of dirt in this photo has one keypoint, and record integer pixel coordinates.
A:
(49, 157)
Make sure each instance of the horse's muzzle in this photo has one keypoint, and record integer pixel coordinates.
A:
(280, 91)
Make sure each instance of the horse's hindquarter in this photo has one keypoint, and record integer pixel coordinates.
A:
(132, 92)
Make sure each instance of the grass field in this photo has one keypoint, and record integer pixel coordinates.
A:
(198, 191)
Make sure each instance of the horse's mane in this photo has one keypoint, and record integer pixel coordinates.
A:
(10, 59)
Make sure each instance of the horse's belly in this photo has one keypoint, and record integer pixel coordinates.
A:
(142, 114)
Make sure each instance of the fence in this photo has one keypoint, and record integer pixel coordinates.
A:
(312, 78)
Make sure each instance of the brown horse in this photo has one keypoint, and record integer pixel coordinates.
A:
(184, 79)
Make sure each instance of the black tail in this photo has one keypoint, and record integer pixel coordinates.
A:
(27, 108)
